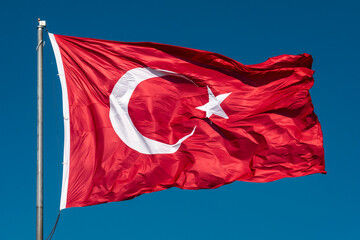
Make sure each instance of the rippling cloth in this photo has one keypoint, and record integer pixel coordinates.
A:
(180, 117)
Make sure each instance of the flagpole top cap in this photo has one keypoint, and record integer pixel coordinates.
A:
(42, 23)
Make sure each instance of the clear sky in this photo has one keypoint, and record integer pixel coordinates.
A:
(312, 207)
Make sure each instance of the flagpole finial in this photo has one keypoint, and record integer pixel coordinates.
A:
(42, 23)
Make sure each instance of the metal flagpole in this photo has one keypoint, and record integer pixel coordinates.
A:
(39, 173)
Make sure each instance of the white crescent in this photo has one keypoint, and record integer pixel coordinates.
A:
(120, 118)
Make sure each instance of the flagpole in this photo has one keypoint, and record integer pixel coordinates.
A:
(39, 173)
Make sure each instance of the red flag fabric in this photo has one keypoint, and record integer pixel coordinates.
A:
(143, 117)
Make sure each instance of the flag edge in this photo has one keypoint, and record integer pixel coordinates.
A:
(66, 157)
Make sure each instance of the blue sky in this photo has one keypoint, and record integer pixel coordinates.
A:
(312, 207)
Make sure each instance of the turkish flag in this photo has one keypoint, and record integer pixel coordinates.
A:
(143, 117)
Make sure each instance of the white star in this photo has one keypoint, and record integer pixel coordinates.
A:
(213, 106)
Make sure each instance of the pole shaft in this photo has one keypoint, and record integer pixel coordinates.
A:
(39, 173)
